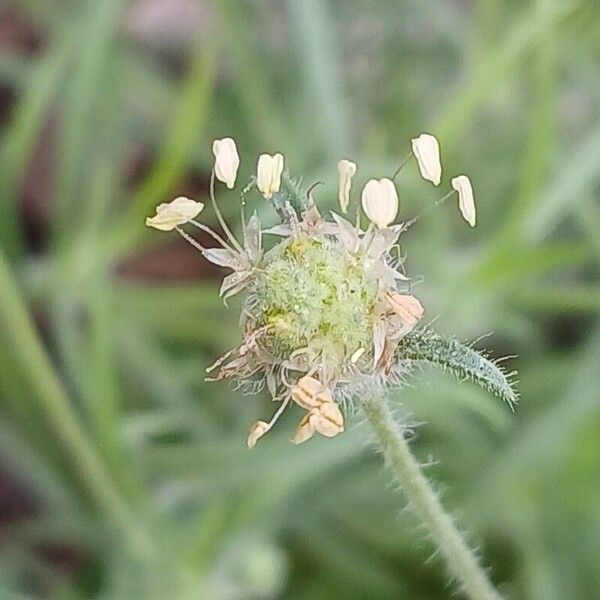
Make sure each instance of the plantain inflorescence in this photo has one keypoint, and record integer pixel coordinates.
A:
(328, 309)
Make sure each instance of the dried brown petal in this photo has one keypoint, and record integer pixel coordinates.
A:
(329, 421)
(305, 392)
(378, 341)
(324, 397)
(305, 430)
(407, 307)
(257, 430)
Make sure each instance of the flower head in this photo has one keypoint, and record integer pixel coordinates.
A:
(346, 171)
(268, 174)
(380, 201)
(427, 152)
(227, 161)
(172, 214)
(325, 308)
(466, 202)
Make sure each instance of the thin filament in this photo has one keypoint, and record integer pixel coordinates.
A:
(226, 229)
(279, 411)
(189, 239)
(404, 161)
(412, 221)
(213, 234)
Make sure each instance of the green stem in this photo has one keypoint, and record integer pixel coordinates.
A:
(424, 502)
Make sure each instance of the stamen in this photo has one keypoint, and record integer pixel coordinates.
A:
(213, 234)
(190, 239)
(226, 229)
(243, 202)
(442, 199)
(243, 213)
(279, 411)
(412, 221)
(358, 217)
(404, 161)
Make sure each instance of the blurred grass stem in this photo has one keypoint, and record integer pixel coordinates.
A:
(424, 502)
(16, 326)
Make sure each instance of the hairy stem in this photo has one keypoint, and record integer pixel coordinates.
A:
(424, 502)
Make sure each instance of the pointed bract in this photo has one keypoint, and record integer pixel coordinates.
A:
(222, 257)
(252, 239)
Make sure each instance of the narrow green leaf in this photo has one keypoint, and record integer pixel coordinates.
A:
(18, 141)
(574, 180)
(425, 346)
(493, 68)
(84, 99)
(190, 117)
(321, 70)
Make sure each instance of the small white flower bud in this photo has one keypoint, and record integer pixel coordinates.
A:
(346, 171)
(380, 201)
(466, 202)
(427, 152)
(268, 174)
(408, 308)
(227, 161)
(172, 214)
(257, 430)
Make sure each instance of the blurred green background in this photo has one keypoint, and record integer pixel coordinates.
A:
(123, 474)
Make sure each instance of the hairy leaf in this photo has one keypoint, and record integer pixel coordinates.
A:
(426, 346)
(290, 193)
